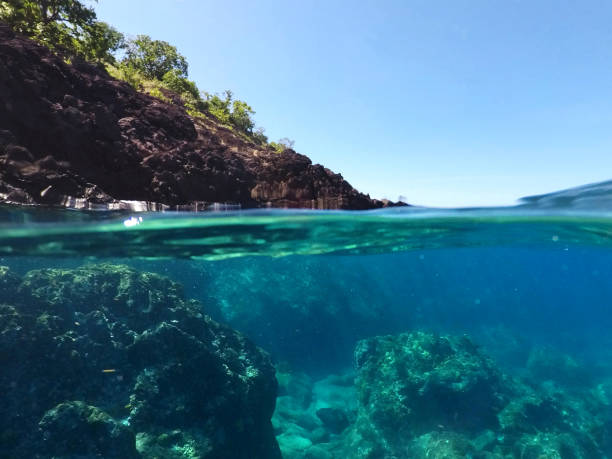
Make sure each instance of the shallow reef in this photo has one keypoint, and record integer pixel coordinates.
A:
(106, 361)
(424, 395)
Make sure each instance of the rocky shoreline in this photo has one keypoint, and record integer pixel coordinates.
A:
(70, 135)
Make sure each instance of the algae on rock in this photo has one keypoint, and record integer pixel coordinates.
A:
(108, 352)
(424, 395)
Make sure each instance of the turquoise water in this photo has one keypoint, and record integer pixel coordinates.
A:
(403, 333)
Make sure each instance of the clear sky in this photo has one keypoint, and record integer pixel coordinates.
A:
(446, 102)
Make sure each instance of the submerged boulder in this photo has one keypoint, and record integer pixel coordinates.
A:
(334, 419)
(80, 429)
(415, 382)
(106, 361)
(547, 363)
(424, 395)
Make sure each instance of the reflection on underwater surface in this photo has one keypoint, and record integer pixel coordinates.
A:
(470, 334)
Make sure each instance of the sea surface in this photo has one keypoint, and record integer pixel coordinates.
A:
(397, 333)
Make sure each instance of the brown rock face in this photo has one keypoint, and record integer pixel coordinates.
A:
(72, 135)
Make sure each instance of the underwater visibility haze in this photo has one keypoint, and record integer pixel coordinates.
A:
(400, 333)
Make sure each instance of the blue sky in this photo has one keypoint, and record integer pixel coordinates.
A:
(448, 103)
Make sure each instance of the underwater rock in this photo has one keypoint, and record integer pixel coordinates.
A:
(9, 285)
(290, 411)
(548, 363)
(605, 435)
(424, 395)
(530, 412)
(301, 432)
(547, 420)
(556, 445)
(334, 419)
(336, 391)
(315, 452)
(412, 383)
(111, 352)
(298, 385)
(446, 445)
(292, 442)
(75, 428)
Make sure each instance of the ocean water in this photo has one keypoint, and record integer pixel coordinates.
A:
(402, 333)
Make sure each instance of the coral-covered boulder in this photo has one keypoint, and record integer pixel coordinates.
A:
(111, 362)
(76, 428)
(414, 382)
(423, 395)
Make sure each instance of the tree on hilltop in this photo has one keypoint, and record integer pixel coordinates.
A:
(154, 58)
(67, 26)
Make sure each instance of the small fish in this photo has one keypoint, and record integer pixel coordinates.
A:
(109, 370)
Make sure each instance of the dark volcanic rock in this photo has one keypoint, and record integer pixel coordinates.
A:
(71, 131)
(105, 361)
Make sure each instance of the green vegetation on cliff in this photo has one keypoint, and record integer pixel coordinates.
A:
(66, 26)
(153, 66)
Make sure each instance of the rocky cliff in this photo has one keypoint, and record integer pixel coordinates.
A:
(72, 135)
